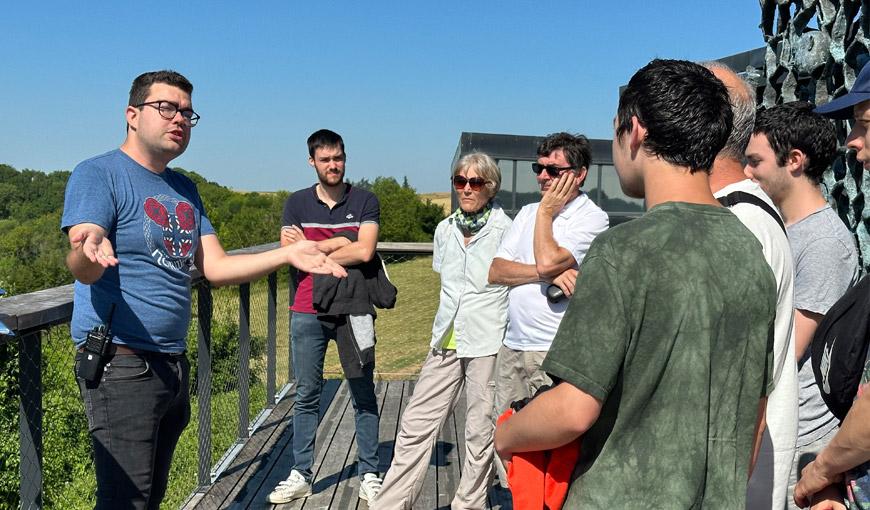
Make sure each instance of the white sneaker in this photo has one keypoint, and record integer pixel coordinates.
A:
(294, 487)
(369, 487)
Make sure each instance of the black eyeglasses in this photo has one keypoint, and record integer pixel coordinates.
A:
(459, 182)
(552, 170)
(168, 109)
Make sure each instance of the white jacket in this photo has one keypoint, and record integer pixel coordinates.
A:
(476, 309)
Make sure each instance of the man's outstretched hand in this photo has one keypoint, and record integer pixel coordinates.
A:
(95, 246)
(305, 256)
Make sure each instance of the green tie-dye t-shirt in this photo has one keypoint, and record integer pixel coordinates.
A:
(671, 328)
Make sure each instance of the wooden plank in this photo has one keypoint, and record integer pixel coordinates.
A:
(37, 310)
(347, 492)
(192, 501)
(258, 452)
(394, 401)
(405, 248)
(44, 308)
(337, 468)
(428, 495)
(383, 247)
(447, 454)
(325, 430)
(276, 457)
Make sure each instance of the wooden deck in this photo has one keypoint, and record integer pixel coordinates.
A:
(265, 459)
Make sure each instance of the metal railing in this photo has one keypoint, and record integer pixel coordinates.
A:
(240, 370)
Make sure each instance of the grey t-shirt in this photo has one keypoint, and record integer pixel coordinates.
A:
(826, 265)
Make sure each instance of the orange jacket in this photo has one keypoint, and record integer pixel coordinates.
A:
(539, 480)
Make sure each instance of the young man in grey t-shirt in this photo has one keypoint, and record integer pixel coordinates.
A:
(789, 150)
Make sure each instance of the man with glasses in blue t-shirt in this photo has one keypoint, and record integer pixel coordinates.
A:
(136, 229)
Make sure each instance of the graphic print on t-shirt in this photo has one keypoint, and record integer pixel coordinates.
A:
(169, 226)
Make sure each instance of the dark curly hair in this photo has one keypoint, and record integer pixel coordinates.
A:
(684, 109)
(794, 126)
(574, 147)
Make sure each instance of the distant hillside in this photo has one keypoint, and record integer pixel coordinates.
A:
(440, 198)
(33, 248)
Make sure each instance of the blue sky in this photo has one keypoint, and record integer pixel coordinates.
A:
(399, 80)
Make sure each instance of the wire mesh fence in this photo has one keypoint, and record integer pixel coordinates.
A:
(37, 383)
(52, 422)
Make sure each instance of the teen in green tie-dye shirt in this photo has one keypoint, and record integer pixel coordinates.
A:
(665, 352)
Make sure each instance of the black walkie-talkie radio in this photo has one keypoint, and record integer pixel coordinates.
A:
(96, 348)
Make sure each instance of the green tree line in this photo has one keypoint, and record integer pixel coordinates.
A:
(32, 247)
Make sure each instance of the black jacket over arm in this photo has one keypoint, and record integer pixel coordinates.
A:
(365, 287)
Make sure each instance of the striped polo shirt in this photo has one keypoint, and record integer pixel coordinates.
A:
(318, 222)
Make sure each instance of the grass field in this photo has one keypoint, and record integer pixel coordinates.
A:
(403, 332)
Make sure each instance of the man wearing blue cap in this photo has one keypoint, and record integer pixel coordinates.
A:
(849, 451)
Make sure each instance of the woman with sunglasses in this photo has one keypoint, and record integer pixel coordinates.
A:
(468, 330)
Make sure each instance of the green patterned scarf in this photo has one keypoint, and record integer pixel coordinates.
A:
(471, 223)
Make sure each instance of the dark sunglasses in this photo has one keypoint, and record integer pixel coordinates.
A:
(552, 170)
(459, 182)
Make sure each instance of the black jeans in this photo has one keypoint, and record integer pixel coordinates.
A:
(136, 414)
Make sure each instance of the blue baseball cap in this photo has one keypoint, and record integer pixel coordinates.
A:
(841, 108)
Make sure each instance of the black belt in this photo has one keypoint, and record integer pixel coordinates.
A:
(123, 350)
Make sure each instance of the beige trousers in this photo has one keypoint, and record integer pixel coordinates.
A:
(518, 375)
(435, 394)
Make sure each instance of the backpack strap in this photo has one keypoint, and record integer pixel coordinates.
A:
(741, 197)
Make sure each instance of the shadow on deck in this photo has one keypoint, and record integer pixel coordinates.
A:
(266, 458)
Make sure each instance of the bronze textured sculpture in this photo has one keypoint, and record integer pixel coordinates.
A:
(815, 49)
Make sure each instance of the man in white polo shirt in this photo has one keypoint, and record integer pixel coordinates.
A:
(544, 246)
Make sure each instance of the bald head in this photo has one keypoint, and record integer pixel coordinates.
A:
(742, 98)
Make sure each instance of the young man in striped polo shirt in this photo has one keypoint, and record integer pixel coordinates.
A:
(317, 213)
